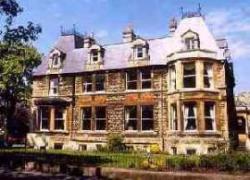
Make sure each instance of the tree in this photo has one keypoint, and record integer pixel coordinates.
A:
(17, 59)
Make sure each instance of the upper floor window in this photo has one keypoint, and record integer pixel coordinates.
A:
(94, 55)
(191, 40)
(56, 61)
(44, 115)
(54, 84)
(172, 74)
(189, 75)
(139, 52)
(143, 78)
(87, 83)
(209, 116)
(100, 82)
(190, 116)
(86, 118)
(208, 75)
(131, 118)
(173, 117)
(59, 119)
(131, 78)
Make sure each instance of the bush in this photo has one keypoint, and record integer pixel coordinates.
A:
(155, 148)
(115, 143)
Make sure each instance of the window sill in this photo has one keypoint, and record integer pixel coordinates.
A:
(59, 131)
(139, 132)
(138, 90)
(193, 90)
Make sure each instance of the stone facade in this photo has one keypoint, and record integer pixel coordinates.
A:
(184, 110)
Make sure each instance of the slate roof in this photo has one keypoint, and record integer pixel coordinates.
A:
(242, 99)
(116, 56)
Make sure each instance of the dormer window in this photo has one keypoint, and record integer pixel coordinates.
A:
(55, 61)
(139, 52)
(191, 40)
(94, 55)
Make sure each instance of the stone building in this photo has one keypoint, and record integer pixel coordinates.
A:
(175, 91)
(242, 101)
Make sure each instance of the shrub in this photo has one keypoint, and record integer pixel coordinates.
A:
(115, 143)
(155, 148)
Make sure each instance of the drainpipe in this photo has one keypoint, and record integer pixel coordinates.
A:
(161, 97)
(72, 130)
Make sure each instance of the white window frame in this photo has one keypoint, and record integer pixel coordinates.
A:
(60, 119)
(190, 75)
(86, 119)
(86, 84)
(209, 75)
(100, 119)
(172, 77)
(147, 119)
(139, 50)
(211, 117)
(127, 118)
(53, 87)
(173, 117)
(93, 55)
(56, 57)
(146, 80)
(44, 119)
(186, 117)
(128, 81)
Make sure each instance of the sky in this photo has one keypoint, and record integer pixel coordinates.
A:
(106, 19)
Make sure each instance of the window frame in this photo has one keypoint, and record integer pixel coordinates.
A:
(173, 118)
(208, 76)
(139, 51)
(128, 119)
(97, 119)
(86, 83)
(94, 55)
(188, 76)
(86, 119)
(102, 75)
(59, 119)
(145, 80)
(147, 119)
(187, 118)
(211, 117)
(53, 87)
(41, 119)
(131, 81)
(172, 78)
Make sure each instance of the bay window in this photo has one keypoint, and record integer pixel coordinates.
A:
(172, 73)
(190, 116)
(189, 75)
(209, 116)
(208, 75)
(147, 118)
(173, 117)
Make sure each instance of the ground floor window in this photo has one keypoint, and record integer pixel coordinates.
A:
(139, 118)
(86, 118)
(209, 116)
(190, 151)
(100, 114)
(173, 117)
(44, 116)
(59, 119)
(190, 116)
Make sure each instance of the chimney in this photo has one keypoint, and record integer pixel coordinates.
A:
(172, 25)
(88, 41)
(128, 34)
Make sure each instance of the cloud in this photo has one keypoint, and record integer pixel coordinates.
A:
(234, 25)
(102, 34)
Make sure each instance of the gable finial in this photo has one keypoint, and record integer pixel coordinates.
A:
(182, 13)
(199, 9)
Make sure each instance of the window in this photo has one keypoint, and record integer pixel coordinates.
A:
(55, 60)
(44, 114)
(58, 146)
(54, 82)
(147, 118)
(209, 116)
(100, 82)
(174, 150)
(189, 75)
(191, 151)
(82, 147)
(190, 43)
(139, 51)
(190, 116)
(131, 118)
(94, 55)
(132, 80)
(59, 120)
(100, 118)
(87, 83)
(145, 79)
(173, 117)
(208, 75)
(172, 78)
(86, 118)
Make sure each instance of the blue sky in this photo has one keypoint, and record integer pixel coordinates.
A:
(107, 18)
